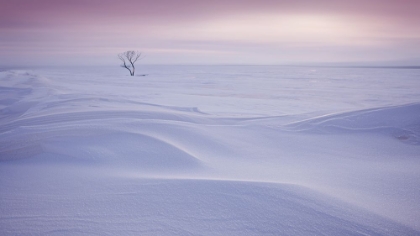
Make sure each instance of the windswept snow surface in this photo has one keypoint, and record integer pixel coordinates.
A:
(210, 150)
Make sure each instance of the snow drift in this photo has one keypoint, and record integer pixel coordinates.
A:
(81, 154)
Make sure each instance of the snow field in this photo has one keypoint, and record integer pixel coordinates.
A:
(96, 153)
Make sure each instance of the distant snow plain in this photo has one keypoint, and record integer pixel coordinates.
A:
(210, 150)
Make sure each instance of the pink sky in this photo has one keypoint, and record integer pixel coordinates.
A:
(87, 32)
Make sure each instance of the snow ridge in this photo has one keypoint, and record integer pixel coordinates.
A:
(92, 155)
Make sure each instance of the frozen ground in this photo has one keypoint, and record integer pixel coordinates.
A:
(210, 150)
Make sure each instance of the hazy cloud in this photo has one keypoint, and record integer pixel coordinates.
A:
(222, 31)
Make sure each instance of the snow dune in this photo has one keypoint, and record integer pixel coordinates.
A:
(401, 121)
(91, 153)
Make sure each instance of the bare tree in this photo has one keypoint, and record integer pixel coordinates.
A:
(129, 58)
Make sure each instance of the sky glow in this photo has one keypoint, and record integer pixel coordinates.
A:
(90, 32)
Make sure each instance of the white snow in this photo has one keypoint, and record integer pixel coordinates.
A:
(210, 150)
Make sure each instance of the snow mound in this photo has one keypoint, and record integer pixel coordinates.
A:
(124, 205)
(131, 139)
(45, 124)
(402, 122)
